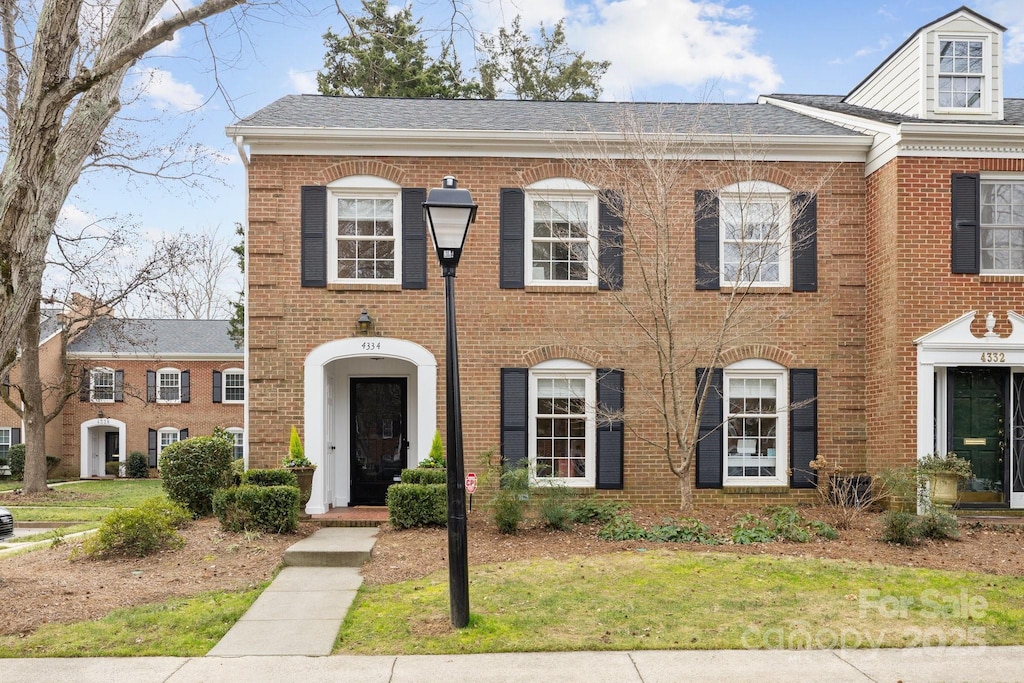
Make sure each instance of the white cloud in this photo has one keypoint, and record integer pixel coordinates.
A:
(164, 92)
(1007, 13)
(73, 220)
(302, 82)
(685, 43)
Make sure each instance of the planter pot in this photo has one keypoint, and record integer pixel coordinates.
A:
(305, 477)
(942, 487)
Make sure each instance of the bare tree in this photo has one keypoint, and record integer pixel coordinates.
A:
(105, 266)
(200, 291)
(64, 65)
(656, 170)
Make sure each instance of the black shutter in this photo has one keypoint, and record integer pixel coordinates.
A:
(514, 415)
(966, 219)
(803, 427)
(83, 387)
(805, 242)
(610, 435)
(119, 386)
(186, 387)
(710, 449)
(152, 448)
(609, 218)
(414, 239)
(512, 268)
(183, 434)
(217, 386)
(706, 243)
(15, 435)
(151, 386)
(314, 236)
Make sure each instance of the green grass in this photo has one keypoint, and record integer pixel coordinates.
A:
(183, 627)
(683, 600)
(11, 484)
(84, 501)
(45, 534)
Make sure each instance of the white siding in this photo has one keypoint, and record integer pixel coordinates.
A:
(896, 85)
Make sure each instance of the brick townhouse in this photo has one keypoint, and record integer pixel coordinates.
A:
(882, 320)
(141, 385)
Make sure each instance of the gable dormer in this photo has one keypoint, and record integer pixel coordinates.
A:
(948, 70)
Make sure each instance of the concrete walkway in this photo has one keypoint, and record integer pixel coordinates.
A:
(302, 609)
(978, 664)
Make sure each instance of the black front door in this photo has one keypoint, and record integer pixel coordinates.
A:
(978, 396)
(111, 446)
(379, 448)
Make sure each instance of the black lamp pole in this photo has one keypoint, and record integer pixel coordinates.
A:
(449, 211)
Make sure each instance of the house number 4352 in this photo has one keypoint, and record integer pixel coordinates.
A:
(370, 346)
(993, 357)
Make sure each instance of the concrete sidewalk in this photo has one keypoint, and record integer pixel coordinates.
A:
(979, 664)
(301, 611)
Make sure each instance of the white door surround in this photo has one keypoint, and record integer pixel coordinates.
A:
(91, 453)
(321, 394)
(954, 345)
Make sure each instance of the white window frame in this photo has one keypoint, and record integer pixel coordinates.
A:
(5, 441)
(232, 372)
(737, 199)
(985, 103)
(759, 369)
(985, 226)
(565, 369)
(362, 187)
(161, 433)
(159, 384)
(92, 384)
(562, 189)
(238, 451)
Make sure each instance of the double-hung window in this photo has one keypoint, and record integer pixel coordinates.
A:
(755, 234)
(756, 423)
(562, 423)
(562, 233)
(5, 442)
(234, 386)
(1002, 226)
(364, 230)
(238, 436)
(101, 385)
(167, 436)
(961, 73)
(168, 386)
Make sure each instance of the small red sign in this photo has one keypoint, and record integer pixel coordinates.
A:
(470, 483)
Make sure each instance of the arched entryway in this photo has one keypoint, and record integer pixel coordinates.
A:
(102, 439)
(370, 409)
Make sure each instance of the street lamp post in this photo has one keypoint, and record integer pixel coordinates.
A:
(449, 211)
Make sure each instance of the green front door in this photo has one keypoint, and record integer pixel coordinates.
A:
(978, 416)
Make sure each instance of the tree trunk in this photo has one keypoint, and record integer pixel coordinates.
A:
(685, 493)
(34, 411)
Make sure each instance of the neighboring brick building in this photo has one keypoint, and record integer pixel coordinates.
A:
(142, 384)
(846, 200)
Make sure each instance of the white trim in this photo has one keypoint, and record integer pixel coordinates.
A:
(93, 465)
(315, 393)
(985, 108)
(373, 188)
(539, 144)
(167, 371)
(758, 368)
(363, 182)
(562, 368)
(92, 385)
(224, 385)
(562, 189)
(742, 195)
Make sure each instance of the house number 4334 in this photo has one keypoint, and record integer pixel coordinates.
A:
(370, 346)
(993, 357)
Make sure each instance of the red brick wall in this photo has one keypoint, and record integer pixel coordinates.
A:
(511, 328)
(911, 290)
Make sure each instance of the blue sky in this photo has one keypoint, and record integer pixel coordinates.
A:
(661, 50)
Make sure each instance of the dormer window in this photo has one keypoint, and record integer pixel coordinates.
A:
(961, 73)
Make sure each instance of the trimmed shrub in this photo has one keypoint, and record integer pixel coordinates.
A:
(939, 525)
(16, 454)
(273, 509)
(276, 477)
(901, 528)
(137, 466)
(237, 469)
(193, 469)
(112, 468)
(411, 505)
(137, 532)
(424, 476)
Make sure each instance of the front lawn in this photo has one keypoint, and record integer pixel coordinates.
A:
(81, 501)
(661, 599)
